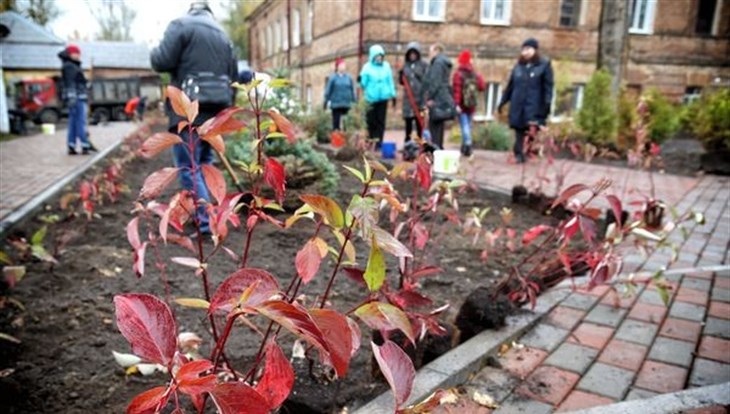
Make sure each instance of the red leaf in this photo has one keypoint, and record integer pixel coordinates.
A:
(421, 233)
(148, 401)
(357, 275)
(133, 233)
(533, 233)
(158, 143)
(85, 190)
(223, 123)
(191, 383)
(138, 266)
(181, 103)
(617, 209)
(229, 292)
(237, 398)
(156, 182)
(283, 125)
(426, 271)
(385, 317)
(148, 325)
(275, 177)
(308, 261)
(409, 299)
(356, 336)
(278, 379)
(182, 241)
(568, 193)
(326, 207)
(423, 171)
(336, 330)
(587, 227)
(296, 320)
(397, 368)
(214, 181)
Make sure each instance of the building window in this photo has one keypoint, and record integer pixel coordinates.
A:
(706, 10)
(569, 13)
(642, 16)
(285, 34)
(309, 24)
(429, 10)
(309, 98)
(568, 101)
(277, 36)
(269, 41)
(493, 95)
(296, 36)
(496, 12)
(691, 94)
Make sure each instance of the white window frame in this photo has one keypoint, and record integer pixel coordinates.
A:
(263, 45)
(309, 98)
(492, 88)
(296, 39)
(491, 20)
(648, 27)
(285, 33)
(309, 23)
(269, 41)
(579, 90)
(718, 14)
(425, 17)
(277, 36)
(578, 21)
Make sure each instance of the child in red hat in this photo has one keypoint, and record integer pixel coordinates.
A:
(467, 88)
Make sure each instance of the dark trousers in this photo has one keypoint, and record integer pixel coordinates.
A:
(337, 114)
(436, 128)
(409, 127)
(519, 147)
(203, 154)
(375, 118)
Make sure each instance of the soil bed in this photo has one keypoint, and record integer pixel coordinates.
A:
(65, 365)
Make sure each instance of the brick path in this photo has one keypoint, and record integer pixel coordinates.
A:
(30, 164)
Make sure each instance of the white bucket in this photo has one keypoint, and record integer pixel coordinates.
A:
(446, 161)
(48, 129)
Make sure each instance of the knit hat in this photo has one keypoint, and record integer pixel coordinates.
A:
(338, 61)
(73, 49)
(464, 57)
(532, 42)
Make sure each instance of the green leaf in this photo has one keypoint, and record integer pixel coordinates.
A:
(9, 338)
(40, 253)
(375, 271)
(368, 171)
(356, 173)
(193, 303)
(4, 258)
(280, 83)
(663, 293)
(266, 124)
(38, 236)
(326, 207)
(275, 135)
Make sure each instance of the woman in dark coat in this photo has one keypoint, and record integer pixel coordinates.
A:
(437, 94)
(530, 93)
(413, 72)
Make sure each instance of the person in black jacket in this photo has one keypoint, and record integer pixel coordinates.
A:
(198, 54)
(437, 94)
(413, 72)
(530, 94)
(75, 96)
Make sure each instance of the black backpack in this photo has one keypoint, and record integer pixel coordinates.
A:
(208, 88)
(469, 90)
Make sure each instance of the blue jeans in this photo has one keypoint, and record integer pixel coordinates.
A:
(465, 123)
(203, 155)
(77, 125)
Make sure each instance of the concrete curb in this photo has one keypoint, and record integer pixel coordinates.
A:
(669, 403)
(454, 367)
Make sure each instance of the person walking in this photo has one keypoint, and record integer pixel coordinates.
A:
(75, 96)
(376, 81)
(530, 94)
(412, 75)
(339, 93)
(467, 86)
(199, 55)
(437, 94)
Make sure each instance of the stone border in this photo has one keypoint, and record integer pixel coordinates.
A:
(454, 367)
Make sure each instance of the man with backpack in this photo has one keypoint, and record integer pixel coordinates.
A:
(467, 86)
(198, 54)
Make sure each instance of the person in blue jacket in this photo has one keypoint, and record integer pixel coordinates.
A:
(339, 93)
(530, 94)
(376, 80)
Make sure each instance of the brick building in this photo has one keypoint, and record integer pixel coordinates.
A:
(678, 46)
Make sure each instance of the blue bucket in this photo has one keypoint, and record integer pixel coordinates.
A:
(388, 150)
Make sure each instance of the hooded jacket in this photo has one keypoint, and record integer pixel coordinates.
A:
(340, 91)
(74, 81)
(436, 88)
(530, 92)
(376, 79)
(192, 44)
(414, 72)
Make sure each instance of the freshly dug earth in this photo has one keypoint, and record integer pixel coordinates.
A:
(65, 365)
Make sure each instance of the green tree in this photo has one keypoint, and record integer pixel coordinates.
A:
(663, 116)
(710, 119)
(598, 118)
(40, 11)
(236, 25)
(115, 19)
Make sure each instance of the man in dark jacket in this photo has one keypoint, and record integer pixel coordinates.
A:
(437, 94)
(75, 96)
(412, 74)
(530, 93)
(195, 47)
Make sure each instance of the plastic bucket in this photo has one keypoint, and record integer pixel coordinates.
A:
(446, 161)
(48, 129)
(337, 139)
(388, 150)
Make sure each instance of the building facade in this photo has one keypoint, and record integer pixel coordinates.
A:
(677, 46)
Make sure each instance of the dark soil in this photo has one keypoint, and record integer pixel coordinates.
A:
(65, 365)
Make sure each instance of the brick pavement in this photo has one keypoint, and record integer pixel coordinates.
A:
(30, 164)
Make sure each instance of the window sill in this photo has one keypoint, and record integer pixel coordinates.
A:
(645, 32)
(485, 22)
(426, 19)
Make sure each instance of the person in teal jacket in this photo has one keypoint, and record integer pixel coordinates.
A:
(376, 81)
(339, 93)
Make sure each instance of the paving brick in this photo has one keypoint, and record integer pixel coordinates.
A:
(606, 315)
(580, 301)
(606, 380)
(721, 294)
(591, 335)
(687, 311)
(715, 409)
(578, 400)
(572, 357)
(651, 297)
(706, 372)
(698, 297)
(517, 404)
(495, 382)
(725, 273)
(637, 332)
(548, 384)
(623, 354)
(722, 283)
(599, 290)
(719, 309)
(717, 349)
(639, 394)
(661, 377)
(717, 327)
(672, 351)
(521, 361)
(463, 405)
(681, 329)
(564, 317)
(697, 284)
(648, 313)
(545, 337)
